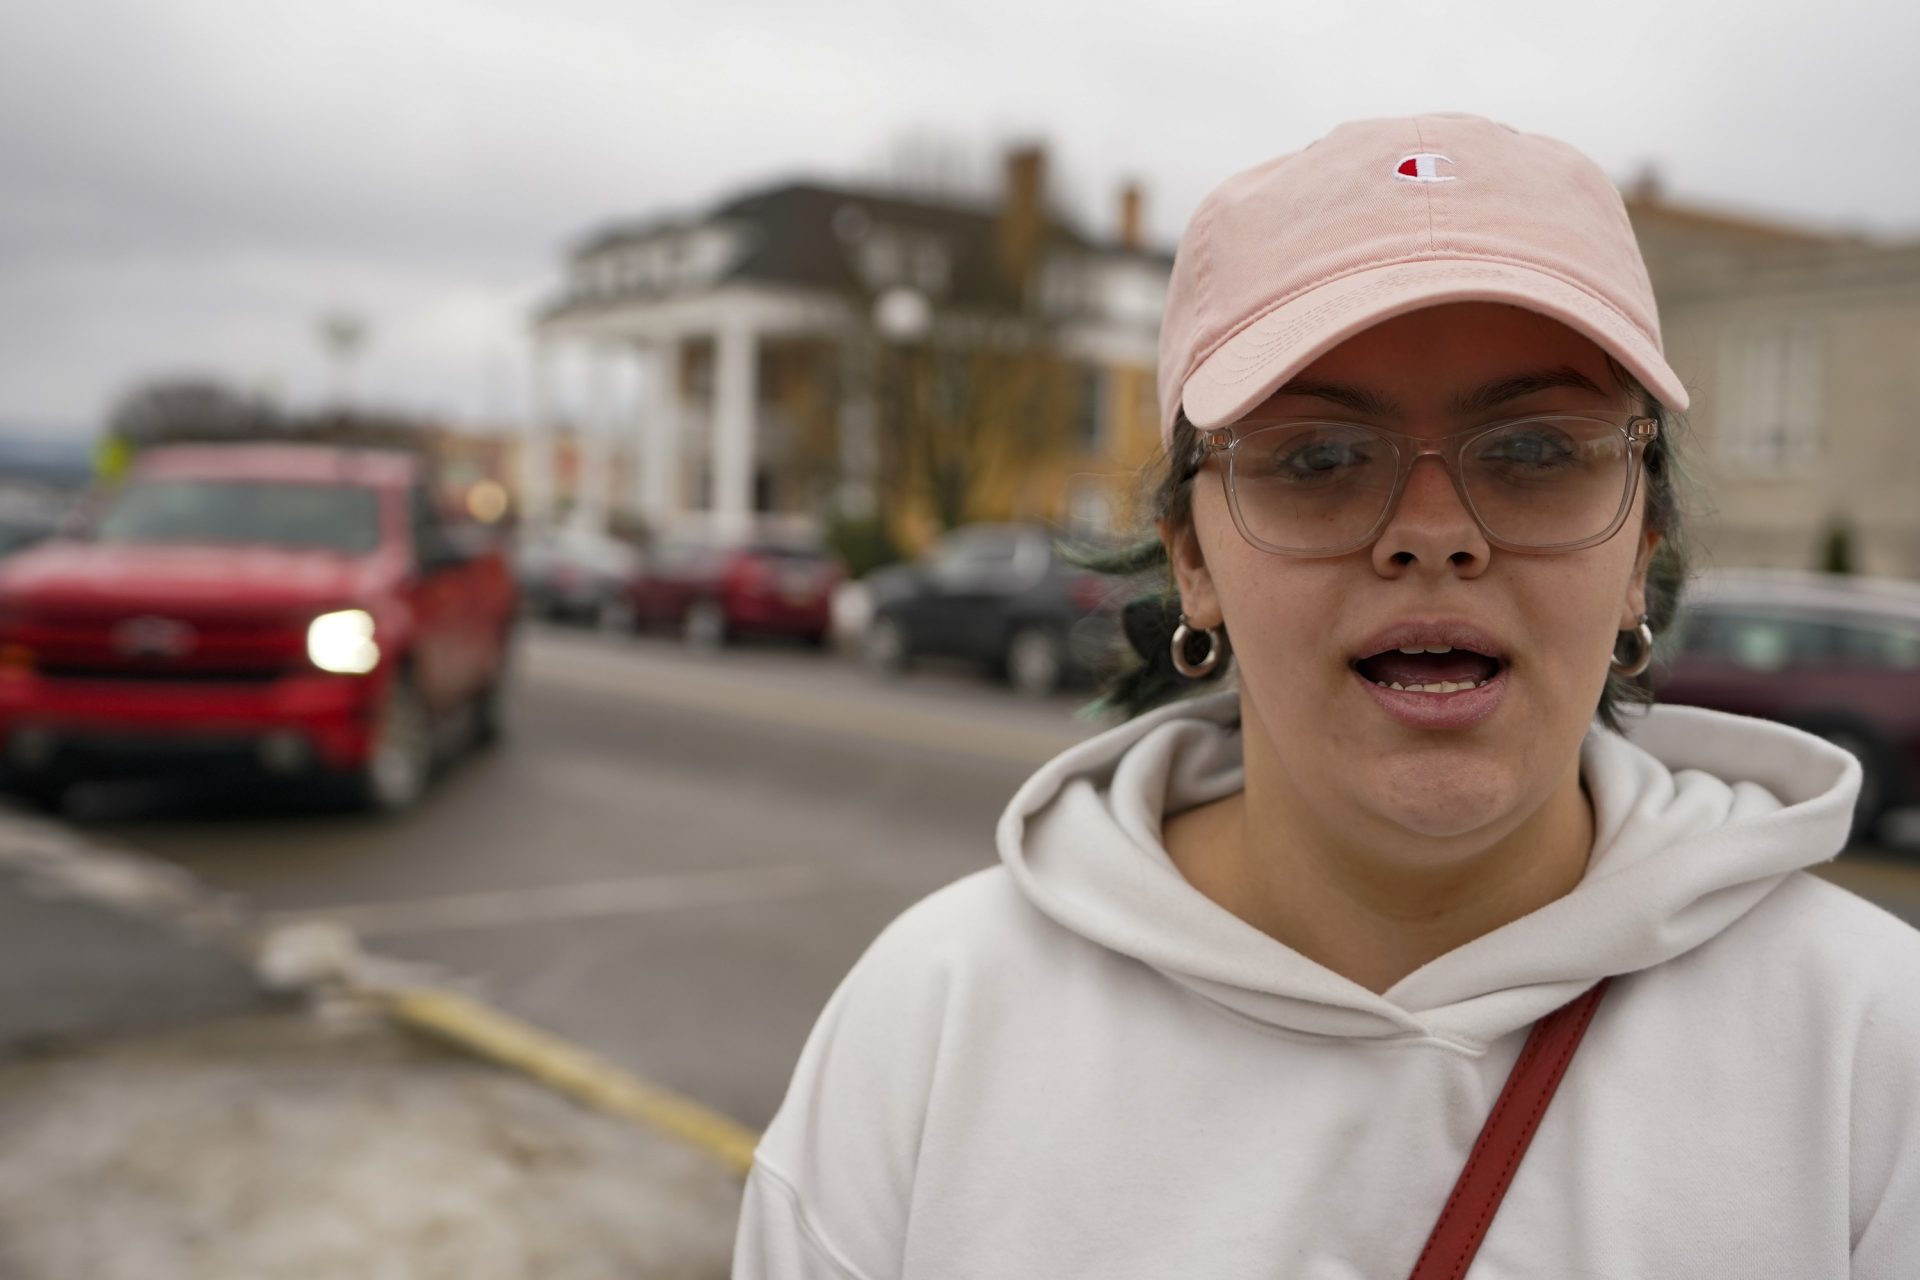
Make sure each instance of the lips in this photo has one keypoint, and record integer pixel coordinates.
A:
(1434, 657)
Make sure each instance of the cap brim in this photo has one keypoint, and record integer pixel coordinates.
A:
(1255, 362)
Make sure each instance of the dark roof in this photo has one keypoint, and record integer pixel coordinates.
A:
(803, 234)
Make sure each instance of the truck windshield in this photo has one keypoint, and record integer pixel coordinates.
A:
(320, 517)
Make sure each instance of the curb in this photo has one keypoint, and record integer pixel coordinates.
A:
(323, 962)
(568, 1069)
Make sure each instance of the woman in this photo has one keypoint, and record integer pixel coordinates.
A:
(1257, 964)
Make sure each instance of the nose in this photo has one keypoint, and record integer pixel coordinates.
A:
(1430, 528)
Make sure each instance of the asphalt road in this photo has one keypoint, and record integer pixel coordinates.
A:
(672, 858)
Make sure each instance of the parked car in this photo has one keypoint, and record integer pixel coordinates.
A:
(714, 589)
(1837, 656)
(573, 574)
(1000, 594)
(292, 610)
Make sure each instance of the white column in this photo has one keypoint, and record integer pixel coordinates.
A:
(859, 421)
(736, 379)
(596, 436)
(661, 424)
(537, 442)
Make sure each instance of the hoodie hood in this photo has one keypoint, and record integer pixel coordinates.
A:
(1698, 816)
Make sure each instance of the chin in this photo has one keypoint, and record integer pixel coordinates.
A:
(1441, 801)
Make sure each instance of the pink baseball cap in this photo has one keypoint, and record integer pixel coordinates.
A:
(1287, 260)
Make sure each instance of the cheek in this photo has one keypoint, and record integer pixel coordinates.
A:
(1279, 612)
(1573, 612)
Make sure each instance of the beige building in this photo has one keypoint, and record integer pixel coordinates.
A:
(1802, 354)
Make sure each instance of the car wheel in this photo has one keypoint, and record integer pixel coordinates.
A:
(1036, 661)
(400, 760)
(1871, 805)
(705, 625)
(883, 647)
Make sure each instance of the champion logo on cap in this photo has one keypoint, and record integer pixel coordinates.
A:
(1423, 166)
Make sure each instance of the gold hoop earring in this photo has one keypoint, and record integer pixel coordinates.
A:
(1204, 667)
(1643, 636)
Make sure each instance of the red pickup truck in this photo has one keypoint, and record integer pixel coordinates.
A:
(297, 610)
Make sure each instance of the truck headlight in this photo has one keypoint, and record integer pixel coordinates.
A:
(343, 642)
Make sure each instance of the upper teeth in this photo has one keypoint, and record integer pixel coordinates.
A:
(1430, 648)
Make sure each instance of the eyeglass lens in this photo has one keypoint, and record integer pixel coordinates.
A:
(1324, 486)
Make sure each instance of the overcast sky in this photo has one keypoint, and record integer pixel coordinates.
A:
(187, 185)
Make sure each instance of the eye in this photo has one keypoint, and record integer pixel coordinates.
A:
(1307, 457)
(1322, 457)
(1529, 445)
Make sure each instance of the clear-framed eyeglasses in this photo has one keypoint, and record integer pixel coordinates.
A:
(1548, 483)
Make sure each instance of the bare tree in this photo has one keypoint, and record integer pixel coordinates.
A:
(167, 409)
(973, 407)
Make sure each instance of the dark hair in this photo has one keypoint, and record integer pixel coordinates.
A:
(1145, 678)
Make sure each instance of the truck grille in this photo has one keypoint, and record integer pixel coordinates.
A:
(104, 643)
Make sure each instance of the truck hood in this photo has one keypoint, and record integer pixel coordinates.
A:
(186, 576)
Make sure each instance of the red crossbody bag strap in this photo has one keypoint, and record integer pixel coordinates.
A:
(1504, 1139)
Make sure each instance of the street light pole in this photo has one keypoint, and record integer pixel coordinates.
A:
(344, 335)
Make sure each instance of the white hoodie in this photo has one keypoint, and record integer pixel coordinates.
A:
(1075, 1065)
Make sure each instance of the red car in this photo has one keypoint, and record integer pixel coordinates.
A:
(296, 610)
(714, 591)
(1836, 656)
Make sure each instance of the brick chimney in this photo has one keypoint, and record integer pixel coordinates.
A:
(1022, 218)
(1132, 202)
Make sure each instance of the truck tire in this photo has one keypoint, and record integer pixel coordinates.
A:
(489, 710)
(490, 713)
(400, 762)
(43, 793)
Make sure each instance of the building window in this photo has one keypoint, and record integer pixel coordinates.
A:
(882, 258)
(1772, 393)
(932, 272)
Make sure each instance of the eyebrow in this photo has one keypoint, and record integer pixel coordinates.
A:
(1491, 396)
(1495, 394)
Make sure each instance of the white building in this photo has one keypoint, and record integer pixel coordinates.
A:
(708, 352)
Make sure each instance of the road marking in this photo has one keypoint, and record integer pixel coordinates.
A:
(583, 900)
(689, 686)
(572, 1070)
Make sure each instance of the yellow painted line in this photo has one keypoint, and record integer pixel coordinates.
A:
(570, 1070)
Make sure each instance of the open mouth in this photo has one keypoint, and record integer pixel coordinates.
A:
(1433, 668)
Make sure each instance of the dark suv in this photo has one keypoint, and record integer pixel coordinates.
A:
(1837, 656)
(1000, 594)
